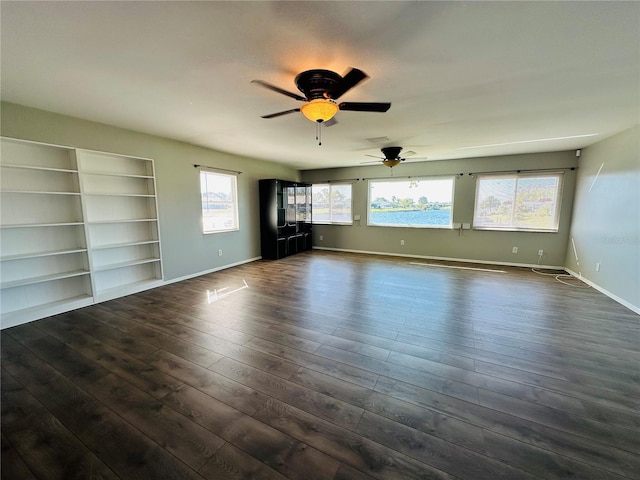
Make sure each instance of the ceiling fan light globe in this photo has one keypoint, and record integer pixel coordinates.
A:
(319, 110)
(391, 162)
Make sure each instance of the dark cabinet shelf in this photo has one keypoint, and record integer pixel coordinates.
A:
(285, 218)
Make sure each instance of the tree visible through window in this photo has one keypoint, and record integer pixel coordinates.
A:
(219, 202)
(518, 202)
(331, 203)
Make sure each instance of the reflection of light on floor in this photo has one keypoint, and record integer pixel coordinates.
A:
(456, 266)
(215, 295)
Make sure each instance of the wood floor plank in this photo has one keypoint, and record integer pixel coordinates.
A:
(507, 387)
(98, 428)
(345, 472)
(330, 366)
(585, 393)
(318, 404)
(364, 455)
(462, 463)
(113, 360)
(50, 451)
(279, 451)
(437, 382)
(116, 338)
(188, 441)
(405, 413)
(541, 462)
(570, 439)
(623, 438)
(12, 466)
(322, 364)
(16, 402)
(245, 399)
(231, 463)
(64, 358)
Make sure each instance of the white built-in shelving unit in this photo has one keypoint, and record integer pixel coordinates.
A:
(76, 227)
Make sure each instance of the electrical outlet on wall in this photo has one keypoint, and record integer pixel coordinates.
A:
(514, 250)
(220, 252)
(540, 252)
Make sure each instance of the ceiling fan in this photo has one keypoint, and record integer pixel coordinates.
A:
(321, 89)
(392, 156)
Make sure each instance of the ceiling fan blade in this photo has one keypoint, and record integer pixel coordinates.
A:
(373, 156)
(377, 161)
(279, 90)
(365, 106)
(278, 114)
(410, 153)
(416, 158)
(350, 80)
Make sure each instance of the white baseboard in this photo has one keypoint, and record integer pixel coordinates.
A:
(621, 301)
(446, 259)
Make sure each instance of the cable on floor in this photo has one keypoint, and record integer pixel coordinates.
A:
(560, 276)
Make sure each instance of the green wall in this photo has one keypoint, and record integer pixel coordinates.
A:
(605, 229)
(473, 245)
(186, 251)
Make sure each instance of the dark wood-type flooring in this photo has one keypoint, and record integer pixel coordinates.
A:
(329, 366)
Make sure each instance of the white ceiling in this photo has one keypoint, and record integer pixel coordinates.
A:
(458, 74)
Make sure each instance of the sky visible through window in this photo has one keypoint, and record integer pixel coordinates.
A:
(434, 190)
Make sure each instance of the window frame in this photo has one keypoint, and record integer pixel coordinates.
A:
(234, 201)
(330, 221)
(448, 226)
(517, 176)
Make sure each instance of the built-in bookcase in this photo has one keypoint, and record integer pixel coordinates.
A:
(76, 227)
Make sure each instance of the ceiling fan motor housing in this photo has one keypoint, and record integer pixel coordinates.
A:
(316, 83)
(391, 153)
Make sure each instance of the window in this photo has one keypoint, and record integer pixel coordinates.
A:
(219, 202)
(415, 202)
(331, 203)
(518, 202)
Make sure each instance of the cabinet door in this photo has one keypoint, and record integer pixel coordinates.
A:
(291, 204)
(301, 203)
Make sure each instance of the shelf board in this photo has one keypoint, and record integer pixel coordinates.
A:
(40, 192)
(147, 195)
(41, 254)
(104, 222)
(42, 279)
(32, 167)
(123, 244)
(114, 174)
(35, 225)
(130, 263)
